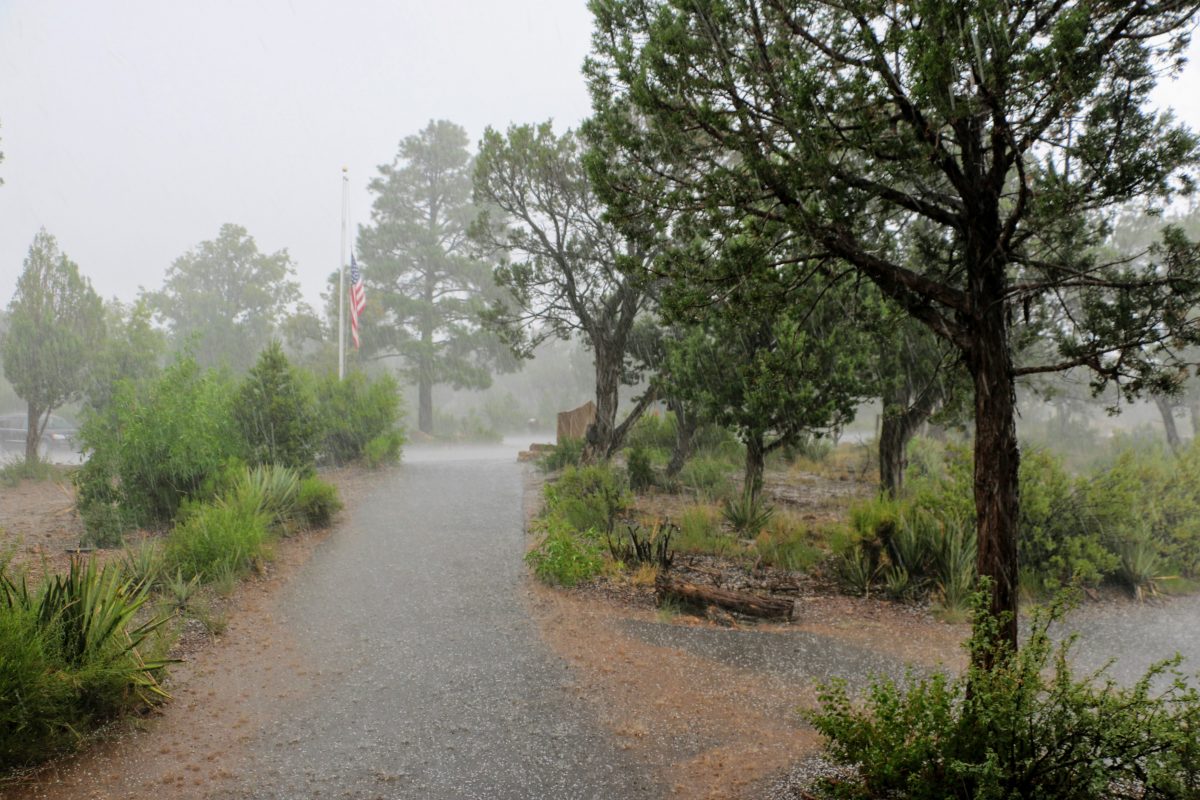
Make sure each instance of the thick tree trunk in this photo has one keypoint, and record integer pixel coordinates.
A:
(1194, 413)
(893, 453)
(1167, 409)
(425, 403)
(425, 361)
(686, 426)
(33, 433)
(598, 446)
(997, 460)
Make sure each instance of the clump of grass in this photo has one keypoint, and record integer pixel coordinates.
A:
(144, 563)
(179, 591)
(13, 472)
(216, 534)
(708, 477)
(787, 544)
(564, 557)
(317, 501)
(700, 532)
(567, 453)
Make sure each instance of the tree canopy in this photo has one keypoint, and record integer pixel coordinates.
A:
(54, 321)
(569, 270)
(224, 299)
(425, 291)
(1001, 133)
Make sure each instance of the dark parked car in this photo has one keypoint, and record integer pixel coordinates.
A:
(59, 432)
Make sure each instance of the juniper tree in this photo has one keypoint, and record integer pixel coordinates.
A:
(1008, 128)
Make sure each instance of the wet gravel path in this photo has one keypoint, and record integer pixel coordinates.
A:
(1135, 635)
(434, 682)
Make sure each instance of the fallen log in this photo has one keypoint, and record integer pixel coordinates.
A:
(752, 605)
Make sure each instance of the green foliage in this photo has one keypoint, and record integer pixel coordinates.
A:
(788, 544)
(317, 502)
(55, 319)
(588, 498)
(640, 469)
(12, 473)
(1024, 728)
(132, 350)
(709, 477)
(70, 658)
(567, 453)
(383, 450)
(747, 513)
(222, 294)
(276, 412)
(155, 446)
(229, 532)
(700, 532)
(426, 288)
(354, 411)
(564, 557)
(652, 431)
(270, 491)
(143, 564)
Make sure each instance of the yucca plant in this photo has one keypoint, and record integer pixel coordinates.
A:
(268, 489)
(747, 514)
(180, 591)
(143, 564)
(954, 556)
(1140, 565)
(855, 571)
(90, 613)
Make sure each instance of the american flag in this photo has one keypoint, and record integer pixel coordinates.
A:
(358, 298)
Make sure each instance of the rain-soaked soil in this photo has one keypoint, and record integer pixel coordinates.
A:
(408, 656)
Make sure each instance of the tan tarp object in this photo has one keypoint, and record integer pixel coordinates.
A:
(573, 424)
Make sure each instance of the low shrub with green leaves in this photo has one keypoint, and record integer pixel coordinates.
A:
(383, 450)
(154, 446)
(1027, 728)
(228, 533)
(640, 469)
(354, 411)
(588, 498)
(565, 556)
(567, 453)
(73, 653)
(317, 502)
(652, 432)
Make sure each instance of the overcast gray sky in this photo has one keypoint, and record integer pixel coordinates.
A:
(133, 129)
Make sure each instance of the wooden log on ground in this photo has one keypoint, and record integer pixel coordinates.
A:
(752, 605)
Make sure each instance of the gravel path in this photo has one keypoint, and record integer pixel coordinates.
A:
(434, 681)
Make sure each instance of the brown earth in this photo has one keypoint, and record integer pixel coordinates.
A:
(221, 692)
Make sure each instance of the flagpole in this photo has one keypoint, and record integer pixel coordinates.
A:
(342, 281)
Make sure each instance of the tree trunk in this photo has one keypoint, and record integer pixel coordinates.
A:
(997, 460)
(598, 446)
(425, 402)
(686, 426)
(1167, 409)
(897, 430)
(1194, 412)
(425, 362)
(756, 456)
(33, 433)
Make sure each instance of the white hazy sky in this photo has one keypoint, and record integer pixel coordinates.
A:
(133, 129)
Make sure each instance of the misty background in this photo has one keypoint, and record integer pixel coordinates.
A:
(132, 131)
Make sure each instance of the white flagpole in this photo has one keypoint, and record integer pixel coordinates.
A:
(342, 281)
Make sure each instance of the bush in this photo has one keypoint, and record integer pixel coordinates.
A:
(276, 412)
(640, 469)
(317, 502)
(384, 449)
(652, 432)
(155, 446)
(587, 498)
(70, 658)
(354, 411)
(1025, 728)
(564, 557)
(270, 491)
(228, 533)
(567, 453)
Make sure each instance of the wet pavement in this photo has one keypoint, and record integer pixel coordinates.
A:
(1132, 636)
(434, 682)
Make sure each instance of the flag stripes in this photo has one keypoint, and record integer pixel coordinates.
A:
(358, 298)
